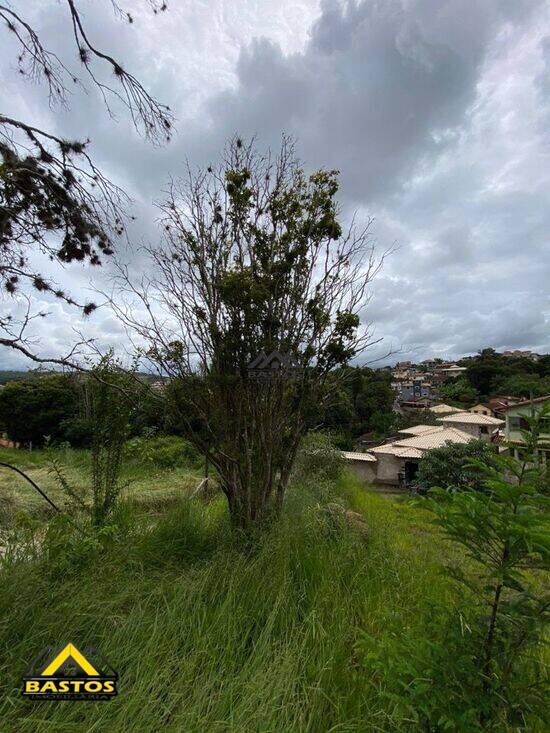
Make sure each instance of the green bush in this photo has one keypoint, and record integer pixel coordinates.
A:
(168, 451)
(318, 460)
(449, 467)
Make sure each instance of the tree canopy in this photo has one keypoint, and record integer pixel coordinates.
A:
(54, 199)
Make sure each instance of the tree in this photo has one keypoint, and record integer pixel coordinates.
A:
(254, 262)
(34, 409)
(458, 390)
(524, 385)
(449, 467)
(53, 198)
(504, 529)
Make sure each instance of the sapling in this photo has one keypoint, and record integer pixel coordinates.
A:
(505, 532)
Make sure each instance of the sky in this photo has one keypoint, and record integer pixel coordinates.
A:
(436, 113)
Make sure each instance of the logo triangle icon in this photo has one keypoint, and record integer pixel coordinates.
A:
(70, 651)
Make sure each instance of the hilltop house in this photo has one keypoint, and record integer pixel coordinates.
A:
(396, 462)
(516, 422)
(444, 409)
(480, 427)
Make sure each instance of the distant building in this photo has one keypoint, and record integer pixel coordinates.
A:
(516, 421)
(451, 371)
(481, 409)
(480, 427)
(443, 409)
(397, 461)
(495, 407)
(517, 354)
(364, 465)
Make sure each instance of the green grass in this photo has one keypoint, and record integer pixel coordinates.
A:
(149, 485)
(212, 632)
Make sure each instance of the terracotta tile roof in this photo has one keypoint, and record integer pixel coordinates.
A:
(546, 398)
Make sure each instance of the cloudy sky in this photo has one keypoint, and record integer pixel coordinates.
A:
(436, 112)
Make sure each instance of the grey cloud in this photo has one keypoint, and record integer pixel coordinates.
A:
(435, 111)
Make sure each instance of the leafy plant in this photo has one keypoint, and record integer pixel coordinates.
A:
(109, 394)
(505, 532)
(450, 466)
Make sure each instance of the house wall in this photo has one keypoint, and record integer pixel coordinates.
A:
(388, 468)
(477, 431)
(512, 429)
(482, 410)
(467, 428)
(365, 470)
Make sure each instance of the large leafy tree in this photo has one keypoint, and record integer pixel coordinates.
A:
(54, 199)
(38, 408)
(254, 261)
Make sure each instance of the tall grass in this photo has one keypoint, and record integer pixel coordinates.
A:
(212, 632)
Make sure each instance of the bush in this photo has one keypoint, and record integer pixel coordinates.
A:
(449, 467)
(318, 460)
(168, 451)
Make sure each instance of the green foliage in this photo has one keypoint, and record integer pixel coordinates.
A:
(318, 460)
(163, 452)
(360, 400)
(458, 390)
(34, 409)
(304, 627)
(450, 466)
(110, 394)
(505, 530)
(491, 374)
(524, 385)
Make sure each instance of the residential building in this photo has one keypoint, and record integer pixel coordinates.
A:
(396, 462)
(451, 371)
(481, 409)
(517, 354)
(516, 419)
(364, 465)
(480, 427)
(443, 409)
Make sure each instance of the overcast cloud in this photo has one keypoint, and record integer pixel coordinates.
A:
(436, 112)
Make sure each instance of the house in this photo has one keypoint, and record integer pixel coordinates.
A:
(417, 404)
(443, 409)
(499, 404)
(364, 465)
(397, 462)
(516, 422)
(517, 354)
(482, 409)
(411, 390)
(495, 407)
(452, 371)
(480, 427)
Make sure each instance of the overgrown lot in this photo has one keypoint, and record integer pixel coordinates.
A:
(311, 626)
(339, 617)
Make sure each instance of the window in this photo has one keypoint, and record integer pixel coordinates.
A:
(514, 422)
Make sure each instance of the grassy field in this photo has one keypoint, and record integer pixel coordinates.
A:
(149, 484)
(308, 627)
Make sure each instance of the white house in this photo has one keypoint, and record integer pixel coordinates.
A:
(396, 462)
(481, 427)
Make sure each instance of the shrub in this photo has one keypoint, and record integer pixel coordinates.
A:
(318, 460)
(450, 466)
(168, 451)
